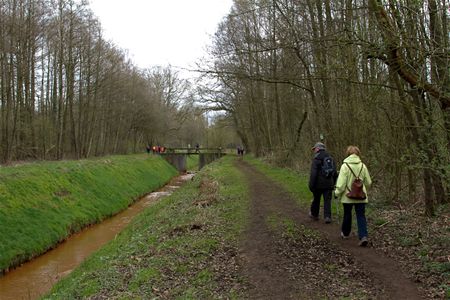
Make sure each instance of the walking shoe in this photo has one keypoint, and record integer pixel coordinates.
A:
(313, 217)
(327, 220)
(363, 242)
(345, 237)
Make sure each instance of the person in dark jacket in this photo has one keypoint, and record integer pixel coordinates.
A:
(321, 184)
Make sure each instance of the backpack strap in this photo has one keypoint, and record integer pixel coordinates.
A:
(362, 166)
(348, 166)
(351, 170)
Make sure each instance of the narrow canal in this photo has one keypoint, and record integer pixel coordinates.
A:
(35, 278)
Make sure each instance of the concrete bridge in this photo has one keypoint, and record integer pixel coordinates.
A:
(178, 156)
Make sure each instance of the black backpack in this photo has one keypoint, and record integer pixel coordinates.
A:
(328, 167)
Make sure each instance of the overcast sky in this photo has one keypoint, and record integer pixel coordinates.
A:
(161, 32)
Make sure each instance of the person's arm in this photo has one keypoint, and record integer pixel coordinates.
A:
(313, 174)
(335, 175)
(367, 179)
(341, 182)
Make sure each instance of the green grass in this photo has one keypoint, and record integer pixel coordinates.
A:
(293, 182)
(192, 162)
(282, 224)
(43, 203)
(175, 249)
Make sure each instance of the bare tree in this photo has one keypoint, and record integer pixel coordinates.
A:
(350, 72)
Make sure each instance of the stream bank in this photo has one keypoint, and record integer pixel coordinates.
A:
(42, 203)
(36, 277)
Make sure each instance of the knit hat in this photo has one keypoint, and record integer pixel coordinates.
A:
(319, 145)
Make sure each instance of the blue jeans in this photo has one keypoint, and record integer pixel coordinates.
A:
(360, 210)
(315, 205)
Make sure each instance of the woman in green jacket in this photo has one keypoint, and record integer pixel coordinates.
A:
(352, 167)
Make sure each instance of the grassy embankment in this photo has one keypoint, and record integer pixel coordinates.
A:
(182, 247)
(43, 203)
(192, 162)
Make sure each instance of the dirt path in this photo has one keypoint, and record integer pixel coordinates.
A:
(309, 264)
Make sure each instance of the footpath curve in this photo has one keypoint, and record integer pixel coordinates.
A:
(309, 264)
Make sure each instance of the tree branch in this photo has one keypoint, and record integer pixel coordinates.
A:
(396, 61)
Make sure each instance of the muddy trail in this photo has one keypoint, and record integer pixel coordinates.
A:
(312, 261)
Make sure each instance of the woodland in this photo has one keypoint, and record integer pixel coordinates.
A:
(67, 92)
(371, 73)
(283, 74)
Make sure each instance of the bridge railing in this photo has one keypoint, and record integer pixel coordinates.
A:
(177, 156)
(194, 150)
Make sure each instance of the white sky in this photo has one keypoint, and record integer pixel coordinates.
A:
(161, 32)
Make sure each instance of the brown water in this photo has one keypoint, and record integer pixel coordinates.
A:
(35, 278)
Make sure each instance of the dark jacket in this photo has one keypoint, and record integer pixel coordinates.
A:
(318, 181)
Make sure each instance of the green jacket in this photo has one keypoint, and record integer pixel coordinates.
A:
(346, 177)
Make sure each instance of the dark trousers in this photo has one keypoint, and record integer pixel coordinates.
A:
(315, 205)
(360, 210)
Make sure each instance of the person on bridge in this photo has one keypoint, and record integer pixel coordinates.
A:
(321, 182)
(240, 150)
(353, 168)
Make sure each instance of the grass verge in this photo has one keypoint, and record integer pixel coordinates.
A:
(43, 203)
(183, 247)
